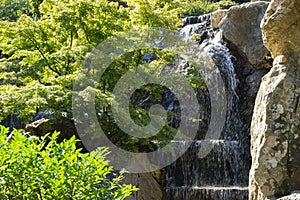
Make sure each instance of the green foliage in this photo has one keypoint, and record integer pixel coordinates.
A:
(155, 13)
(45, 53)
(200, 7)
(31, 168)
(23, 100)
(139, 113)
(45, 43)
(11, 9)
(225, 4)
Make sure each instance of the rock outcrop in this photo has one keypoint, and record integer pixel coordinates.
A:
(149, 184)
(275, 128)
(64, 125)
(240, 27)
(216, 17)
(281, 27)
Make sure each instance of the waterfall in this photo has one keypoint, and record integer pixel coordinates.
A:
(223, 173)
(13, 121)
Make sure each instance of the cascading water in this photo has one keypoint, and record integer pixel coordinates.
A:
(223, 173)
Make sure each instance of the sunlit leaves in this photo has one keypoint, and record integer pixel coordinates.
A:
(12, 9)
(31, 168)
(24, 101)
(45, 52)
(155, 13)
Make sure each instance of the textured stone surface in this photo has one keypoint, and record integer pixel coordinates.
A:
(281, 27)
(149, 185)
(274, 122)
(241, 27)
(275, 128)
(216, 17)
(64, 125)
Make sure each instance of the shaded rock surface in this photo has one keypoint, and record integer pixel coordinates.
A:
(64, 125)
(13, 121)
(240, 27)
(150, 185)
(275, 136)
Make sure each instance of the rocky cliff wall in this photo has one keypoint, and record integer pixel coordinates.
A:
(275, 128)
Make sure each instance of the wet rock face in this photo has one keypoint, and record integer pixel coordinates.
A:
(281, 27)
(13, 121)
(241, 28)
(275, 135)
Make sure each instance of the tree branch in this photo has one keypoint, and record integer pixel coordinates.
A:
(42, 54)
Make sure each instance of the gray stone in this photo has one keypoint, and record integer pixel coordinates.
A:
(241, 27)
(275, 126)
(64, 125)
(270, 129)
(149, 184)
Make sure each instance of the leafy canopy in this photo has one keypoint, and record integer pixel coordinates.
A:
(42, 56)
(43, 44)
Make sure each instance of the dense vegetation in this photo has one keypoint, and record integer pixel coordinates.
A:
(43, 44)
(40, 168)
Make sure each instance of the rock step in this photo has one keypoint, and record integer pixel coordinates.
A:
(225, 163)
(207, 193)
(196, 19)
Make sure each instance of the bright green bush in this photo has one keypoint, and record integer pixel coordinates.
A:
(200, 7)
(39, 168)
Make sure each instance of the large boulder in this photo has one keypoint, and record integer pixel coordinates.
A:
(64, 125)
(149, 184)
(275, 127)
(43, 126)
(275, 135)
(241, 27)
(281, 27)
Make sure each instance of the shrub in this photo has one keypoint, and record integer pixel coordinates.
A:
(200, 7)
(41, 168)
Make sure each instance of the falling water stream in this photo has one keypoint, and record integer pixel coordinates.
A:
(223, 173)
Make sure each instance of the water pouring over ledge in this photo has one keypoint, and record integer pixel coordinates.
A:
(223, 173)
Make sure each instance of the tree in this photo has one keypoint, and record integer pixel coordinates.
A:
(45, 43)
(44, 54)
(155, 13)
